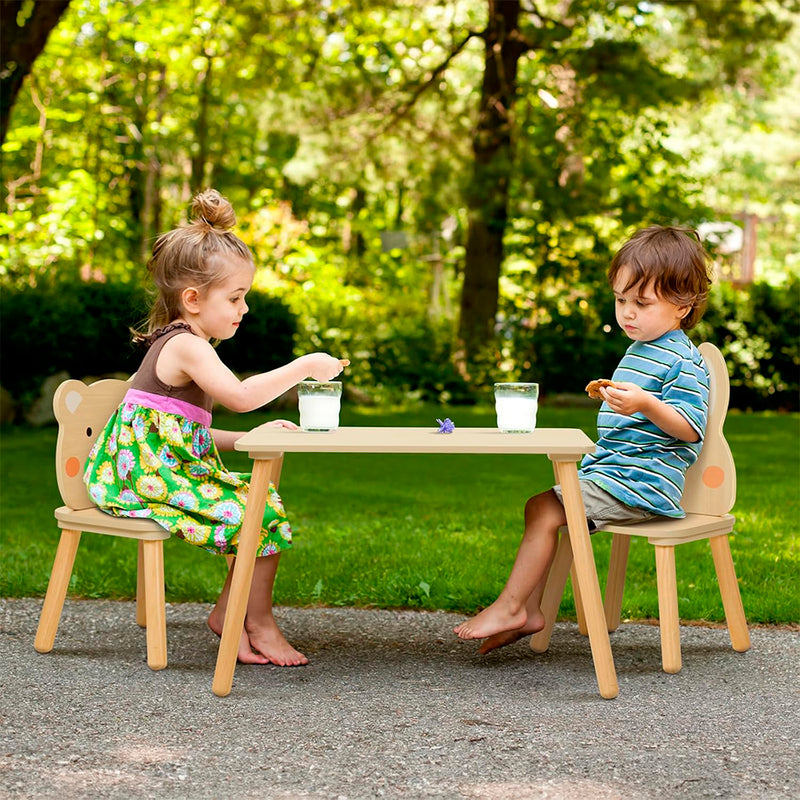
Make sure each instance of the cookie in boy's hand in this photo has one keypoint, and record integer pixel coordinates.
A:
(593, 387)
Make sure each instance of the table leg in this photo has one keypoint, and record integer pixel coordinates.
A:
(242, 574)
(586, 574)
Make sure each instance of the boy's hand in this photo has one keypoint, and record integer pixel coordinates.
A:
(626, 398)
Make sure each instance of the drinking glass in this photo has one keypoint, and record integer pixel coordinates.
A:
(319, 403)
(516, 405)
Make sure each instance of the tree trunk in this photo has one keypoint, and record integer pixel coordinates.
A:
(488, 194)
(20, 44)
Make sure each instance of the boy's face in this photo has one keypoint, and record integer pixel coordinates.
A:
(643, 314)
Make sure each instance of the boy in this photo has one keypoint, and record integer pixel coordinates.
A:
(650, 425)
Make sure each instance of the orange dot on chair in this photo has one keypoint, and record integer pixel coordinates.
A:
(713, 477)
(72, 467)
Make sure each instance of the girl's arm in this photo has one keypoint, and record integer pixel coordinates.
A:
(627, 398)
(225, 440)
(186, 358)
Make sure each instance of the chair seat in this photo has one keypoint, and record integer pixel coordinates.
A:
(669, 531)
(93, 520)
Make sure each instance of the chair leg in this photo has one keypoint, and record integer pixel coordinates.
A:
(56, 590)
(615, 585)
(153, 558)
(576, 596)
(668, 608)
(553, 592)
(141, 589)
(729, 589)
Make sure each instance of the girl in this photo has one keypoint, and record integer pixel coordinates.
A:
(159, 458)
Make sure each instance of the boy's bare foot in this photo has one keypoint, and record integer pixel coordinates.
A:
(492, 620)
(533, 625)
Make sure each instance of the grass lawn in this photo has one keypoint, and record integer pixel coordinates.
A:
(421, 531)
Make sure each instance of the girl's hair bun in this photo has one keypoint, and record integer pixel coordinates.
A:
(211, 208)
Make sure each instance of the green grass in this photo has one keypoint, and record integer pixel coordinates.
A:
(419, 531)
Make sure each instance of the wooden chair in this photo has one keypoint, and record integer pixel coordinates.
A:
(82, 412)
(709, 494)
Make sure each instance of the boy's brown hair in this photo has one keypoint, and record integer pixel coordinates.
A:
(674, 261)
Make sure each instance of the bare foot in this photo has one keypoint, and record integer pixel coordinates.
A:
(245, 654)
(492, 620)
(267, 639)
(533, 625)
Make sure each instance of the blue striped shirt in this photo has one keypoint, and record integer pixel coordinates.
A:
(635, 461)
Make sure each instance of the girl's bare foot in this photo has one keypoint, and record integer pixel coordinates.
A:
(267, 639)
(245, 654)
(533, 625)
(494, 619)
(263, 644)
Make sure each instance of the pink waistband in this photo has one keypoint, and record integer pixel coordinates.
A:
(159, 402)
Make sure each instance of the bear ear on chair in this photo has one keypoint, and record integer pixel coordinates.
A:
(81, 411)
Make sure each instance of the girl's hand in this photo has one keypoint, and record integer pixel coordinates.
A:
(627, 398)
(322, 367)
(282, 423)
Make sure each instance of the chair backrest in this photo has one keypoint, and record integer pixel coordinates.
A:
(82, 412)
(711, 481)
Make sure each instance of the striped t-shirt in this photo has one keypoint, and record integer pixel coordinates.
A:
(635, 461)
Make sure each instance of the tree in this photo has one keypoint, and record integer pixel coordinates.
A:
(24, 28)
(595, 49)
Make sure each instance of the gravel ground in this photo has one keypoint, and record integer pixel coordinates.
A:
(392, 705)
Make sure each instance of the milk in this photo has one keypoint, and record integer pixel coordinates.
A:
(516, 414)
(319, 412)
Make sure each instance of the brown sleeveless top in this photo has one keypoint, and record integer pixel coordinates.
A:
(146, 379)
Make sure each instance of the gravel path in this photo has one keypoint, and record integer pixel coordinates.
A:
(392, 705)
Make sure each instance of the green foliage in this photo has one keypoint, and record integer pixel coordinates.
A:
(758, 330)
(361, 117)
(84, 329)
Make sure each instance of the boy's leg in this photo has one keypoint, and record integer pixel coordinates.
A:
(517, 607)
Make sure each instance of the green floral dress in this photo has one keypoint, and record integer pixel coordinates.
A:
(163, 465)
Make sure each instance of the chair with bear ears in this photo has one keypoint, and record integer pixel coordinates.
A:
(82, 412)
(708, 496)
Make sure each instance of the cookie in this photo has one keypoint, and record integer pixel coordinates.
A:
(593, 387)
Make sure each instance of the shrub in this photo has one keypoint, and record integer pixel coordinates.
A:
(83, 329)
(757, 328)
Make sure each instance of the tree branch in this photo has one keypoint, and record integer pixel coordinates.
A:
(402, 110)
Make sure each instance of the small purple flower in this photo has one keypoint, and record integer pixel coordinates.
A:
(446, 425)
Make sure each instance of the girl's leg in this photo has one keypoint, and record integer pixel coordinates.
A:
(517, 609)
(261, 633)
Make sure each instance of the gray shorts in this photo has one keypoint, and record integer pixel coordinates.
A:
(603, 508)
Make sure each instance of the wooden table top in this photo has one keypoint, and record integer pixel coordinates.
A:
(265, 442)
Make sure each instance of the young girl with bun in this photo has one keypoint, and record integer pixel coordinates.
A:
(158, 456)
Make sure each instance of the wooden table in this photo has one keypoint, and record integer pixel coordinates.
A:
(563, 446)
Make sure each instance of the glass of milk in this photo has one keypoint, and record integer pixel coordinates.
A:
(319, 403)
(516, 405)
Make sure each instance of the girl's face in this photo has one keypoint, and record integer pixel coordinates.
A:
(222, 305)
(643, 314)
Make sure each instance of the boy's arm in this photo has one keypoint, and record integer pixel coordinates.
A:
(628, 398)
